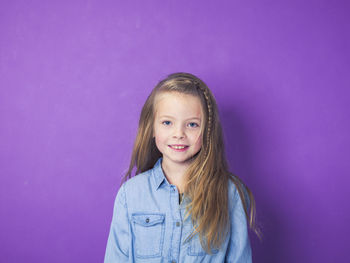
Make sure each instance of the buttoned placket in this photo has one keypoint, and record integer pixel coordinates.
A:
(177, 224)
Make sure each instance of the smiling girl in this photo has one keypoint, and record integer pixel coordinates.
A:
(183, 205)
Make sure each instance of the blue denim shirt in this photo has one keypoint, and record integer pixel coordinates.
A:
(148, 225)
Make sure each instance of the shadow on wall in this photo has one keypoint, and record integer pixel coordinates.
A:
(241, 151)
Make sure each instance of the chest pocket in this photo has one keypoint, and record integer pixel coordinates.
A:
(195, 248)
(148, 234)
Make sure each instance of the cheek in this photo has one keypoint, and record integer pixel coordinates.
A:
(160, 135)
(197, 138)
(159, 142)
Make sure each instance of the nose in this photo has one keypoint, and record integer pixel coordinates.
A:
(178, 132)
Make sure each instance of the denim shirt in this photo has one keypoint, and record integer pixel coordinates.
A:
(148, 225)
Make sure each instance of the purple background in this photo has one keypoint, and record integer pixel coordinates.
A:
(75, 74)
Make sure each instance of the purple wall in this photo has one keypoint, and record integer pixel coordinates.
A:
(73, 78)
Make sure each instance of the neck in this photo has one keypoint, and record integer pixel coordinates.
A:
(175, 174)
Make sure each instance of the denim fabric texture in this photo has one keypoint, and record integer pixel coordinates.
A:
(148, 225)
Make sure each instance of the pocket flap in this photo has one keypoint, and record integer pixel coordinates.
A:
(148, 219)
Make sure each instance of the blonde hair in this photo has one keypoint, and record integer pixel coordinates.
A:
(208, 175)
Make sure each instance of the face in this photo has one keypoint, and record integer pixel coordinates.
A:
(177, 126)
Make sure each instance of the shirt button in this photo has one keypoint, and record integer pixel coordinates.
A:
(178, 224)
(147, 220)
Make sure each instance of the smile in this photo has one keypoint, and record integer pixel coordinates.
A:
(178, 147)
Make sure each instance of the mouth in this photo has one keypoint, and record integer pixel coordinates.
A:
(178, 147)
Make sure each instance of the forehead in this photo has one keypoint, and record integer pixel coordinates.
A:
(178, 105)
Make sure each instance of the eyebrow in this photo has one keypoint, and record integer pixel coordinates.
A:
(170, 117)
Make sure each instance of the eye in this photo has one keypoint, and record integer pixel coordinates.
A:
(167, 123)
(193, 125)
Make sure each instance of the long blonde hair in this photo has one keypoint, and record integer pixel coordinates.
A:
(208, 175)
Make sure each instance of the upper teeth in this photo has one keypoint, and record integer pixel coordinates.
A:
(178, 147)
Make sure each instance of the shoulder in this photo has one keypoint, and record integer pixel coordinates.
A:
(139, 187)
(232, 189)
(237, 190)
(137, 193)
(138, 182)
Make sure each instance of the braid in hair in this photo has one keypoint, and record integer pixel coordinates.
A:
(209, 106)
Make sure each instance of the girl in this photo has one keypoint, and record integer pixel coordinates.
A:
(183, 205)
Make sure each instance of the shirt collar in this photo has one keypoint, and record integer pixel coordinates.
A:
(158, 174)
(160, 179)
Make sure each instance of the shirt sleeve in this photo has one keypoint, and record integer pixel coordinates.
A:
(239, 250)
(118, 240)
